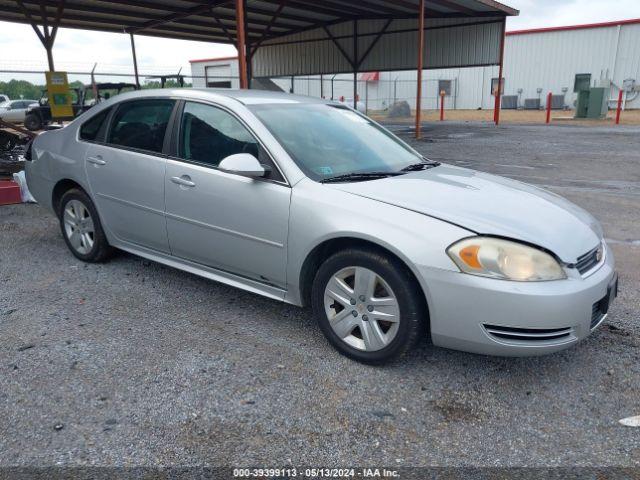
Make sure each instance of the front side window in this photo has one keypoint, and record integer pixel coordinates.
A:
(209, 134)
(90, 129)
(141, 124)
(328, 140)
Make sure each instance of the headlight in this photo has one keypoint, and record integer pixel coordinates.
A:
(504, 259)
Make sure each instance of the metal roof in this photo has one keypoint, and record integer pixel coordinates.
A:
(214, 20)
(584, 26)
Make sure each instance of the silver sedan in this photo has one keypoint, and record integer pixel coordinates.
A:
(312, 203)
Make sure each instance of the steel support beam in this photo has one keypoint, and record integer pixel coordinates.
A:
(179, 16)
(135, 59)
(248, 47)
(274, 18)
(496, 111)
(339, 47)
(223, 27)
(356, 64)
(241, 44)
(378, 36)
(47, 37)
(420, 67)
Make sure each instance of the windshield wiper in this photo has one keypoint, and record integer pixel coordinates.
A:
(420, 166)
(359, 176)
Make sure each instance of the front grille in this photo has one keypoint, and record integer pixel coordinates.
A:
(528, 334)
(598, 311)
(589, 260)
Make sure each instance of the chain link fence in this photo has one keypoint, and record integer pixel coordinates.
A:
(373, 96)
(377, 95)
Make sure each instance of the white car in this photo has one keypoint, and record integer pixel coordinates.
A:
(14, 111)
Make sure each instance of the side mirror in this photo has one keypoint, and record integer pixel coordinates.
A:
(243, 164)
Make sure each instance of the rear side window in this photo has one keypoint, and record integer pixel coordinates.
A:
(141, 124)
(91, 128)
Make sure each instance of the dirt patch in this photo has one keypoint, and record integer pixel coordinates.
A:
(458, 407)
(630, 117)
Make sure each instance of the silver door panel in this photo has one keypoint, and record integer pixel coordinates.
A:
(227, 221)
(128, 188)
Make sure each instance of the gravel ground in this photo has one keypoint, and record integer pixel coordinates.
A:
(134, 363)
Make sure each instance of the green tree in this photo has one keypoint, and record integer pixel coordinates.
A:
(16, 89)
(168, 84)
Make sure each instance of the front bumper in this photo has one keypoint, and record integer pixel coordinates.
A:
(497, 317)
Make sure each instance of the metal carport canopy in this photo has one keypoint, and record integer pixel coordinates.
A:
(215, 20)
(295, 37)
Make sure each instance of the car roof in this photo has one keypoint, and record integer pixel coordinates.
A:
(246, 97)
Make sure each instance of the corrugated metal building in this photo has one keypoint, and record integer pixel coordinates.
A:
(536, 62)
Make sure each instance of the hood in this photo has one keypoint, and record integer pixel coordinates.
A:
(488, 204)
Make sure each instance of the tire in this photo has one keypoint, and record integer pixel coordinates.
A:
(363, 331)
(89, 243)
(33, 122)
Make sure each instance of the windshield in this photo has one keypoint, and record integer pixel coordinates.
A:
(330, 140)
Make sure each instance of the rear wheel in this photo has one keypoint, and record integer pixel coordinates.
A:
(368, 305)
(33, 122)
(81, 227)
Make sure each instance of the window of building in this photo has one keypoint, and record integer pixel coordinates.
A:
(444, 86)
(218, 76)
(141, 124)
(494, 86)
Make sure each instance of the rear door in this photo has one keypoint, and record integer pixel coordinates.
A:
(126, 172)
(223, 220)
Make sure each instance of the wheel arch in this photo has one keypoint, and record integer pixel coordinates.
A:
(62, 187)
(328, 247)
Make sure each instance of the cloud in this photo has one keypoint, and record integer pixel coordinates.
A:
(553, 13)
(78, 50)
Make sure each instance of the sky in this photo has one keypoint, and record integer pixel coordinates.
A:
(77, 50)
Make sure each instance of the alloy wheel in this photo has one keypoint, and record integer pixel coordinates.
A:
(362, 309)
(78, 226)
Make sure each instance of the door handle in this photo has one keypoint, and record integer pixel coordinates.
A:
(97, 160)
(184, 180)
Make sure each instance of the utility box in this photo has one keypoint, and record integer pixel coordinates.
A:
(598, 102)
(582, 105)
(592, 103)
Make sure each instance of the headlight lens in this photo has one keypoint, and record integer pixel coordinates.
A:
(504, 259)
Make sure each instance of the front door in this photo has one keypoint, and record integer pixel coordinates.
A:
(126, 173)
(222, 220)
(17, 112)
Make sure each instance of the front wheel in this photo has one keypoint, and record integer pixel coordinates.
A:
(81, 227)
(33, 122)
(368, 305)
